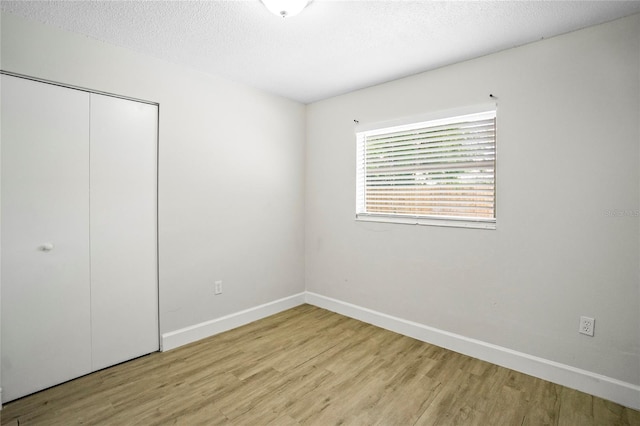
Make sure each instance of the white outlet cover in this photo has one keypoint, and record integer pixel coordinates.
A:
(587, 325)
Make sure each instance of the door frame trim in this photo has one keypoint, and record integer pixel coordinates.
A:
(70, 86)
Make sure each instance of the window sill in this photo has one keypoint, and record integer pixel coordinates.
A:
(427, 221)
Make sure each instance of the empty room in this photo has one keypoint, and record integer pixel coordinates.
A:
(283, 212)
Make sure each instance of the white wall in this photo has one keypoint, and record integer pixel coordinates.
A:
(0, 219)
(568, 151)
(231, 170)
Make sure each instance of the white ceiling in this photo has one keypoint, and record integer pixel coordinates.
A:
(332, 47)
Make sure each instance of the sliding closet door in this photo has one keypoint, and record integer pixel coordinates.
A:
(124, 283)
(46, 334)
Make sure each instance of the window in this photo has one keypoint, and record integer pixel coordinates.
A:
(436, 172)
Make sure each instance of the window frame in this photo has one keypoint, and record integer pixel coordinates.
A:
(416, 122)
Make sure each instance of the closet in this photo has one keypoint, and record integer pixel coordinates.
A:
(79, 284)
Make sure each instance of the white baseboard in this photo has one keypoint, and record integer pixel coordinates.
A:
(174, 339)
(623, 393)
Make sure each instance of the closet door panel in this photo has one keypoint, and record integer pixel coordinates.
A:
(124, 282)
(45, 236)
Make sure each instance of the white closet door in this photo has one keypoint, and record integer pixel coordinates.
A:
(46, 335)
(124, 283)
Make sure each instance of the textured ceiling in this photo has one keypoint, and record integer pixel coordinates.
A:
(332, 47)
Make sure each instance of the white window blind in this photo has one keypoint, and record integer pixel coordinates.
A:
(435, 170)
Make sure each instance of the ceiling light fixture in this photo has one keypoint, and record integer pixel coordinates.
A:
(286, 8)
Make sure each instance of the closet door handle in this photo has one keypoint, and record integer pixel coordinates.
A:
(46, 247)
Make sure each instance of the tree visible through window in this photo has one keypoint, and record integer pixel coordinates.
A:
(441, 169)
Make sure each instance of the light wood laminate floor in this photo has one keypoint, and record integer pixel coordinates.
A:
(311, 366)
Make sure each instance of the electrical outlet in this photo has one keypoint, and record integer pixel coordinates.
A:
(217, 287)
(586, 326)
